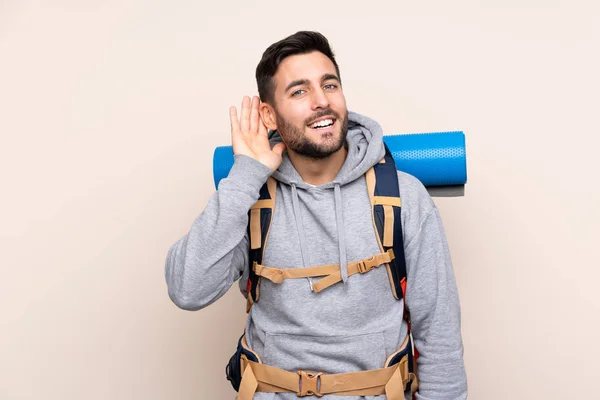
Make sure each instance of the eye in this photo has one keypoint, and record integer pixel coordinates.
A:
(330, 86)
(298, 92)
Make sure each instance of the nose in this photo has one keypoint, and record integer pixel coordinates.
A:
(320, 99)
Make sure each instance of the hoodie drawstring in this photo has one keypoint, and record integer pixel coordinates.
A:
(303, 249)
(301, 237)
(339, 219)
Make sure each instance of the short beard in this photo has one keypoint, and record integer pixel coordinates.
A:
(296, 140)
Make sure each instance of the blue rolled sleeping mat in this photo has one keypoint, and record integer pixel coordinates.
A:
(437, 159)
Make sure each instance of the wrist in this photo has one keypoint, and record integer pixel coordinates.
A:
(247, 172)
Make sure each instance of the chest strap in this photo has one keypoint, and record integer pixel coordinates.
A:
(331, 272)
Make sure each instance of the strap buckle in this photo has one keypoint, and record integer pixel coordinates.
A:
(365, 266)
(309, 384)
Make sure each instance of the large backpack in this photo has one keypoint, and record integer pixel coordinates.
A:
(384, 195)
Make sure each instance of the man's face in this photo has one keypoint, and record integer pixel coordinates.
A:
(310, 107)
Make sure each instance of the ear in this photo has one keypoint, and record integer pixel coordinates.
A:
(267, 114)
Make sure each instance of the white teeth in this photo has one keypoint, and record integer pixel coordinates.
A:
(320, 124)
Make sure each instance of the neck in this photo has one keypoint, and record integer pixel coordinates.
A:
(318, 171)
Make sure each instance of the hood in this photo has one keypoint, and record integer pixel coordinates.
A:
(365, 149)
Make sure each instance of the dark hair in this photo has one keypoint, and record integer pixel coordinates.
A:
(301, 42)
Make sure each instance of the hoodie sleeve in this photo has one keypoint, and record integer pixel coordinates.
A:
(433, 302)
(202, 265)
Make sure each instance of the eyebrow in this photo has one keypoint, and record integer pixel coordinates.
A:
(298, 82)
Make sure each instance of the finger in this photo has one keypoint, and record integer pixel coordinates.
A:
(233, 119)
(279, 148)
(254, 117)
(245, 119)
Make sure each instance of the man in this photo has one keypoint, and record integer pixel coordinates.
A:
(319, 155)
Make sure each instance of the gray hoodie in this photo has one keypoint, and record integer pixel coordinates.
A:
(355, 324)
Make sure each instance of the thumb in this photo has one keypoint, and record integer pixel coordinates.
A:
(279, 148)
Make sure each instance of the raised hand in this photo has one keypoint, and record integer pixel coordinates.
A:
(249, 135)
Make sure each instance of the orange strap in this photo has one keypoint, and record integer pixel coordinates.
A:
(331, 272)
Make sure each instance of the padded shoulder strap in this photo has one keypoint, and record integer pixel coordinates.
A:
(259, 224)
(384, 193)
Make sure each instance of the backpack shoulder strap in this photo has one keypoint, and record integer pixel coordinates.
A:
(384, 194)
(259, 224)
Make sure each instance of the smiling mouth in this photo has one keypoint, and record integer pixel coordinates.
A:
(322, 124)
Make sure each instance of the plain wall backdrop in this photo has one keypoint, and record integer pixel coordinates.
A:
(109, 115)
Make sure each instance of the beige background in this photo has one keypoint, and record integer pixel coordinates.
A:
(109, 114)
